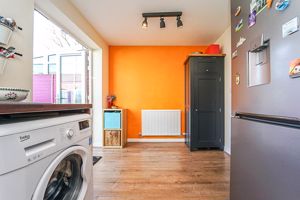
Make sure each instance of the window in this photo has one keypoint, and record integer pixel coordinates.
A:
(60, 65)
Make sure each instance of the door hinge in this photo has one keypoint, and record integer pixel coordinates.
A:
(220, 79)
(220, 109)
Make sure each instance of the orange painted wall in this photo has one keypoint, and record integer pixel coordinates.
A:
(146, 77)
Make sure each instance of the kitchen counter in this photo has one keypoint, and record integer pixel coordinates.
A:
(39, 108)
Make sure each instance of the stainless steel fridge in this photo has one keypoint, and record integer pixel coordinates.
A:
(265, 159)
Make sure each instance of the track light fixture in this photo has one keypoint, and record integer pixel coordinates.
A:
(162, 16)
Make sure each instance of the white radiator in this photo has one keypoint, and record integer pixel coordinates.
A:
(161, 122)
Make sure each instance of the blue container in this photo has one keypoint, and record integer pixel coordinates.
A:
(112, 120)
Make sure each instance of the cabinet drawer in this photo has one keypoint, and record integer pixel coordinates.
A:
(207, 68)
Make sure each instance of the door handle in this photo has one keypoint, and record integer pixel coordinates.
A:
(196, 110)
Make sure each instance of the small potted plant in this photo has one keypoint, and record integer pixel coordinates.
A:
(110, 101)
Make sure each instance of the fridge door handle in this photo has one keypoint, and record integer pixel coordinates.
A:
(271, 119)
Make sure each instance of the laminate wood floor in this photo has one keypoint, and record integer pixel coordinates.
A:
(161, 171)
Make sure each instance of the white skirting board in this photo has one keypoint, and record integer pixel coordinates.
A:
(160, 140)
(227, 150)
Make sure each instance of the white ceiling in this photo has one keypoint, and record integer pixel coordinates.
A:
(119, 21)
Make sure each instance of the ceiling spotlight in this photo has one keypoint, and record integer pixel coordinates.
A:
(179, 22)
(145, 23)
(162, 23)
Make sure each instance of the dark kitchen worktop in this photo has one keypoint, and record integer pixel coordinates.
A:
(35, 108)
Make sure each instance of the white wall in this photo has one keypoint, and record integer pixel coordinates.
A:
(225, 42)
(66, 15)
(19, 71)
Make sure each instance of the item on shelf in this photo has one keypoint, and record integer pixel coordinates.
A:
(13, 94)
(110, 100)
(213, 49)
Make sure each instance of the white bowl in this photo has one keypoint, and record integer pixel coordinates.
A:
(13, 94)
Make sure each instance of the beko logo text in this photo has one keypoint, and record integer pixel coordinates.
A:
(24, 138)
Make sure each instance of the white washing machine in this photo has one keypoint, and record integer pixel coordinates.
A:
(46, 159)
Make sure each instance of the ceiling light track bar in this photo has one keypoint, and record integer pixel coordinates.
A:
(162, 14)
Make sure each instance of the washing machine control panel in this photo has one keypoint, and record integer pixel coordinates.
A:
(84, 124)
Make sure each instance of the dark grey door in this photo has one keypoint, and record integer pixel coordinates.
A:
(207, 104)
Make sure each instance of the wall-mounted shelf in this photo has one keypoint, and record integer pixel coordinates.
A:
(114, 128)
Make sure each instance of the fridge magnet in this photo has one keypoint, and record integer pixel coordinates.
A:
(237, 79)
(261, 5)
(241, 42)
(239, 26)
(238, 11)
(258, 6)
(290, 27)
(253, 6)
(234, 54)
(295, 68)
(252, 19)
(281, 5)
(269, 3)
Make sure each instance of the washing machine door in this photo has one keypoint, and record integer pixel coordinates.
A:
(67, 177)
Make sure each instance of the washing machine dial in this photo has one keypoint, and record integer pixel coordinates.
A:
(70, 133)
